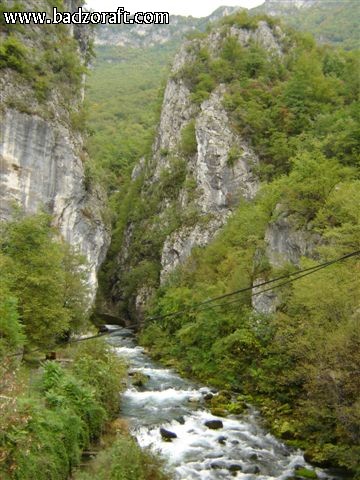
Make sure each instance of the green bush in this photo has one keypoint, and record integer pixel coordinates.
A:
(125, 460)
(47, 278)
(44, 428)
(188, 144)
(96, 365)
(14, 55)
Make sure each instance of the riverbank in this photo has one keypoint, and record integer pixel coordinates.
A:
(172, 416)
(51, 412)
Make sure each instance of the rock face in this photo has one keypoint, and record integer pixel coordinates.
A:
(224, 163)
(219, 165)
(41, 168)
(42, 163)
(285, 243)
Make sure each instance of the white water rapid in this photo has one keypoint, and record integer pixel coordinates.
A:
(241, 449)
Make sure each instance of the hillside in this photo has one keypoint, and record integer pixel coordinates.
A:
(144, 36)
(334, 22)
(253, 174)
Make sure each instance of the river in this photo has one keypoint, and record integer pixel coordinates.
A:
(241, 449)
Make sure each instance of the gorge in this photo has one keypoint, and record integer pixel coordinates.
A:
(241, 168)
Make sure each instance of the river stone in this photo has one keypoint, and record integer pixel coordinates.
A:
(181, 420)
(252, 469)
(208, 397)
(167, 435)
(214, 424)
(218, 465)
(235, 467)
(222, 439)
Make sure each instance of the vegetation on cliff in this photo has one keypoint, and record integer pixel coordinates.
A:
(299, 110)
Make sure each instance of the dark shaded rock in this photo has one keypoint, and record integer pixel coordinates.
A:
(139, 379)
(181, 420)
(222, 440)
(235, 442)
(214, 424)
(208, 397)
(253, 456)
(167, 435)
(219, 464)
(103, 329)
(235, 467)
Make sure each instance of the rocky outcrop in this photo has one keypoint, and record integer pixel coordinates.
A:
(224, 163)
(286, 242)
(219, 168)
(42, 160)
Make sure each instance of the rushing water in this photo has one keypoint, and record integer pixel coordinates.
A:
(241, 449)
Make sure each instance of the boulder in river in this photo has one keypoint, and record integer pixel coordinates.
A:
(219, 464)
(251, 469)
(303, 472)
(181, 420)
(222, 440)
(235, 467)
(214, 424)
(139, 379)
(167, 435)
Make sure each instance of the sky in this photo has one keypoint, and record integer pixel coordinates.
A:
(175, 7)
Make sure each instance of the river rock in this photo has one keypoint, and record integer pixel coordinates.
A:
(251, 469)
(167, 435)
(214, 424)
(222, 439)
(304, 472)
(235, 467)
(208, 397)
(219, 464)
(181, 420)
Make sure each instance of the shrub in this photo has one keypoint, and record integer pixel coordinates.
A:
(188, 144)
(125, 460)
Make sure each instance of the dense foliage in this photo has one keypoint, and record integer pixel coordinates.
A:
(45, 426)
(125, 460)
(43, 288)
(300, 113)
(333, 22)
(45, 57)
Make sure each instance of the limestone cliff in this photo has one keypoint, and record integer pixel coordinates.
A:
(199, 171)
(42, 157)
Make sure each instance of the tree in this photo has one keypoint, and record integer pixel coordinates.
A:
(11, 332)
(46, 278)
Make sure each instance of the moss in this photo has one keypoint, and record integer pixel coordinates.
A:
(219, 412)
(306, 473)
(139, 379)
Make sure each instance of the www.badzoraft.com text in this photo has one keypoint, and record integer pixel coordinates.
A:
(80, 16)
